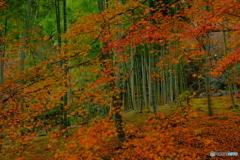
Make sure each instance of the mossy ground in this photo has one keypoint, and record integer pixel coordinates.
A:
(214, 127)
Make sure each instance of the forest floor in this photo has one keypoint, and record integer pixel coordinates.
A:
(197, 132)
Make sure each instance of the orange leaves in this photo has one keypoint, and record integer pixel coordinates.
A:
(228, 61)
(91, 143)
(155, 140)
(197, 76)
(3, 4)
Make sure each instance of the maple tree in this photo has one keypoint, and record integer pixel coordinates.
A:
(133, 54)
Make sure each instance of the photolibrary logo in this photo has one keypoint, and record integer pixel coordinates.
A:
(213, 154)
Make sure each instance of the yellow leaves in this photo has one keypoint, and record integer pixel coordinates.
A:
(193, 95)
(208, 141)
(195, 114)
(192, 46)
(96, 147)
(198, 132)
(175, 61)
(197, 76)
(49, 146)
(185, 129)
(194, 75)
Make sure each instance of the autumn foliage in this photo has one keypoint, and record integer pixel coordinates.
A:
(86, 69)
(186, 135)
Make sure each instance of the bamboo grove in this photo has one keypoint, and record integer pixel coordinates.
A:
(58, 70)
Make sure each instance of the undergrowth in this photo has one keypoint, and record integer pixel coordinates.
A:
(180, 133)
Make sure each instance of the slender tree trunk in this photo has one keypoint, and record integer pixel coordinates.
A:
(117, 96)
(144, 84)
(128, 95)
(3, 33)
(176, 79)
(118, 106)
(25, 35)
(67, 95)
(132, 81)
(64, 16)
(163, 91)
(1, 62)
(64, 121)
(230, 84)
(207, 74)
(101, 5)
(58, 23)
(140, 79)
(1, 81)
(124, 95)
(22, 57)
(170, 79)
(151, 84)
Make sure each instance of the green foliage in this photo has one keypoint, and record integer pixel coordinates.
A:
(96, 111)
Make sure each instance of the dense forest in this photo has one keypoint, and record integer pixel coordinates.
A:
(120, 79)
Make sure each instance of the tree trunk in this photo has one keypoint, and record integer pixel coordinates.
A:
(230, 84)
(25, 35)
(58, 23)
(1, 62)
(64, 121)
(117, 96)
(64, 16)
(151, 83)
(132, 81)
(144, 84)
(1, 80)
(207, 73)
(22, 57)
(117, 107)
